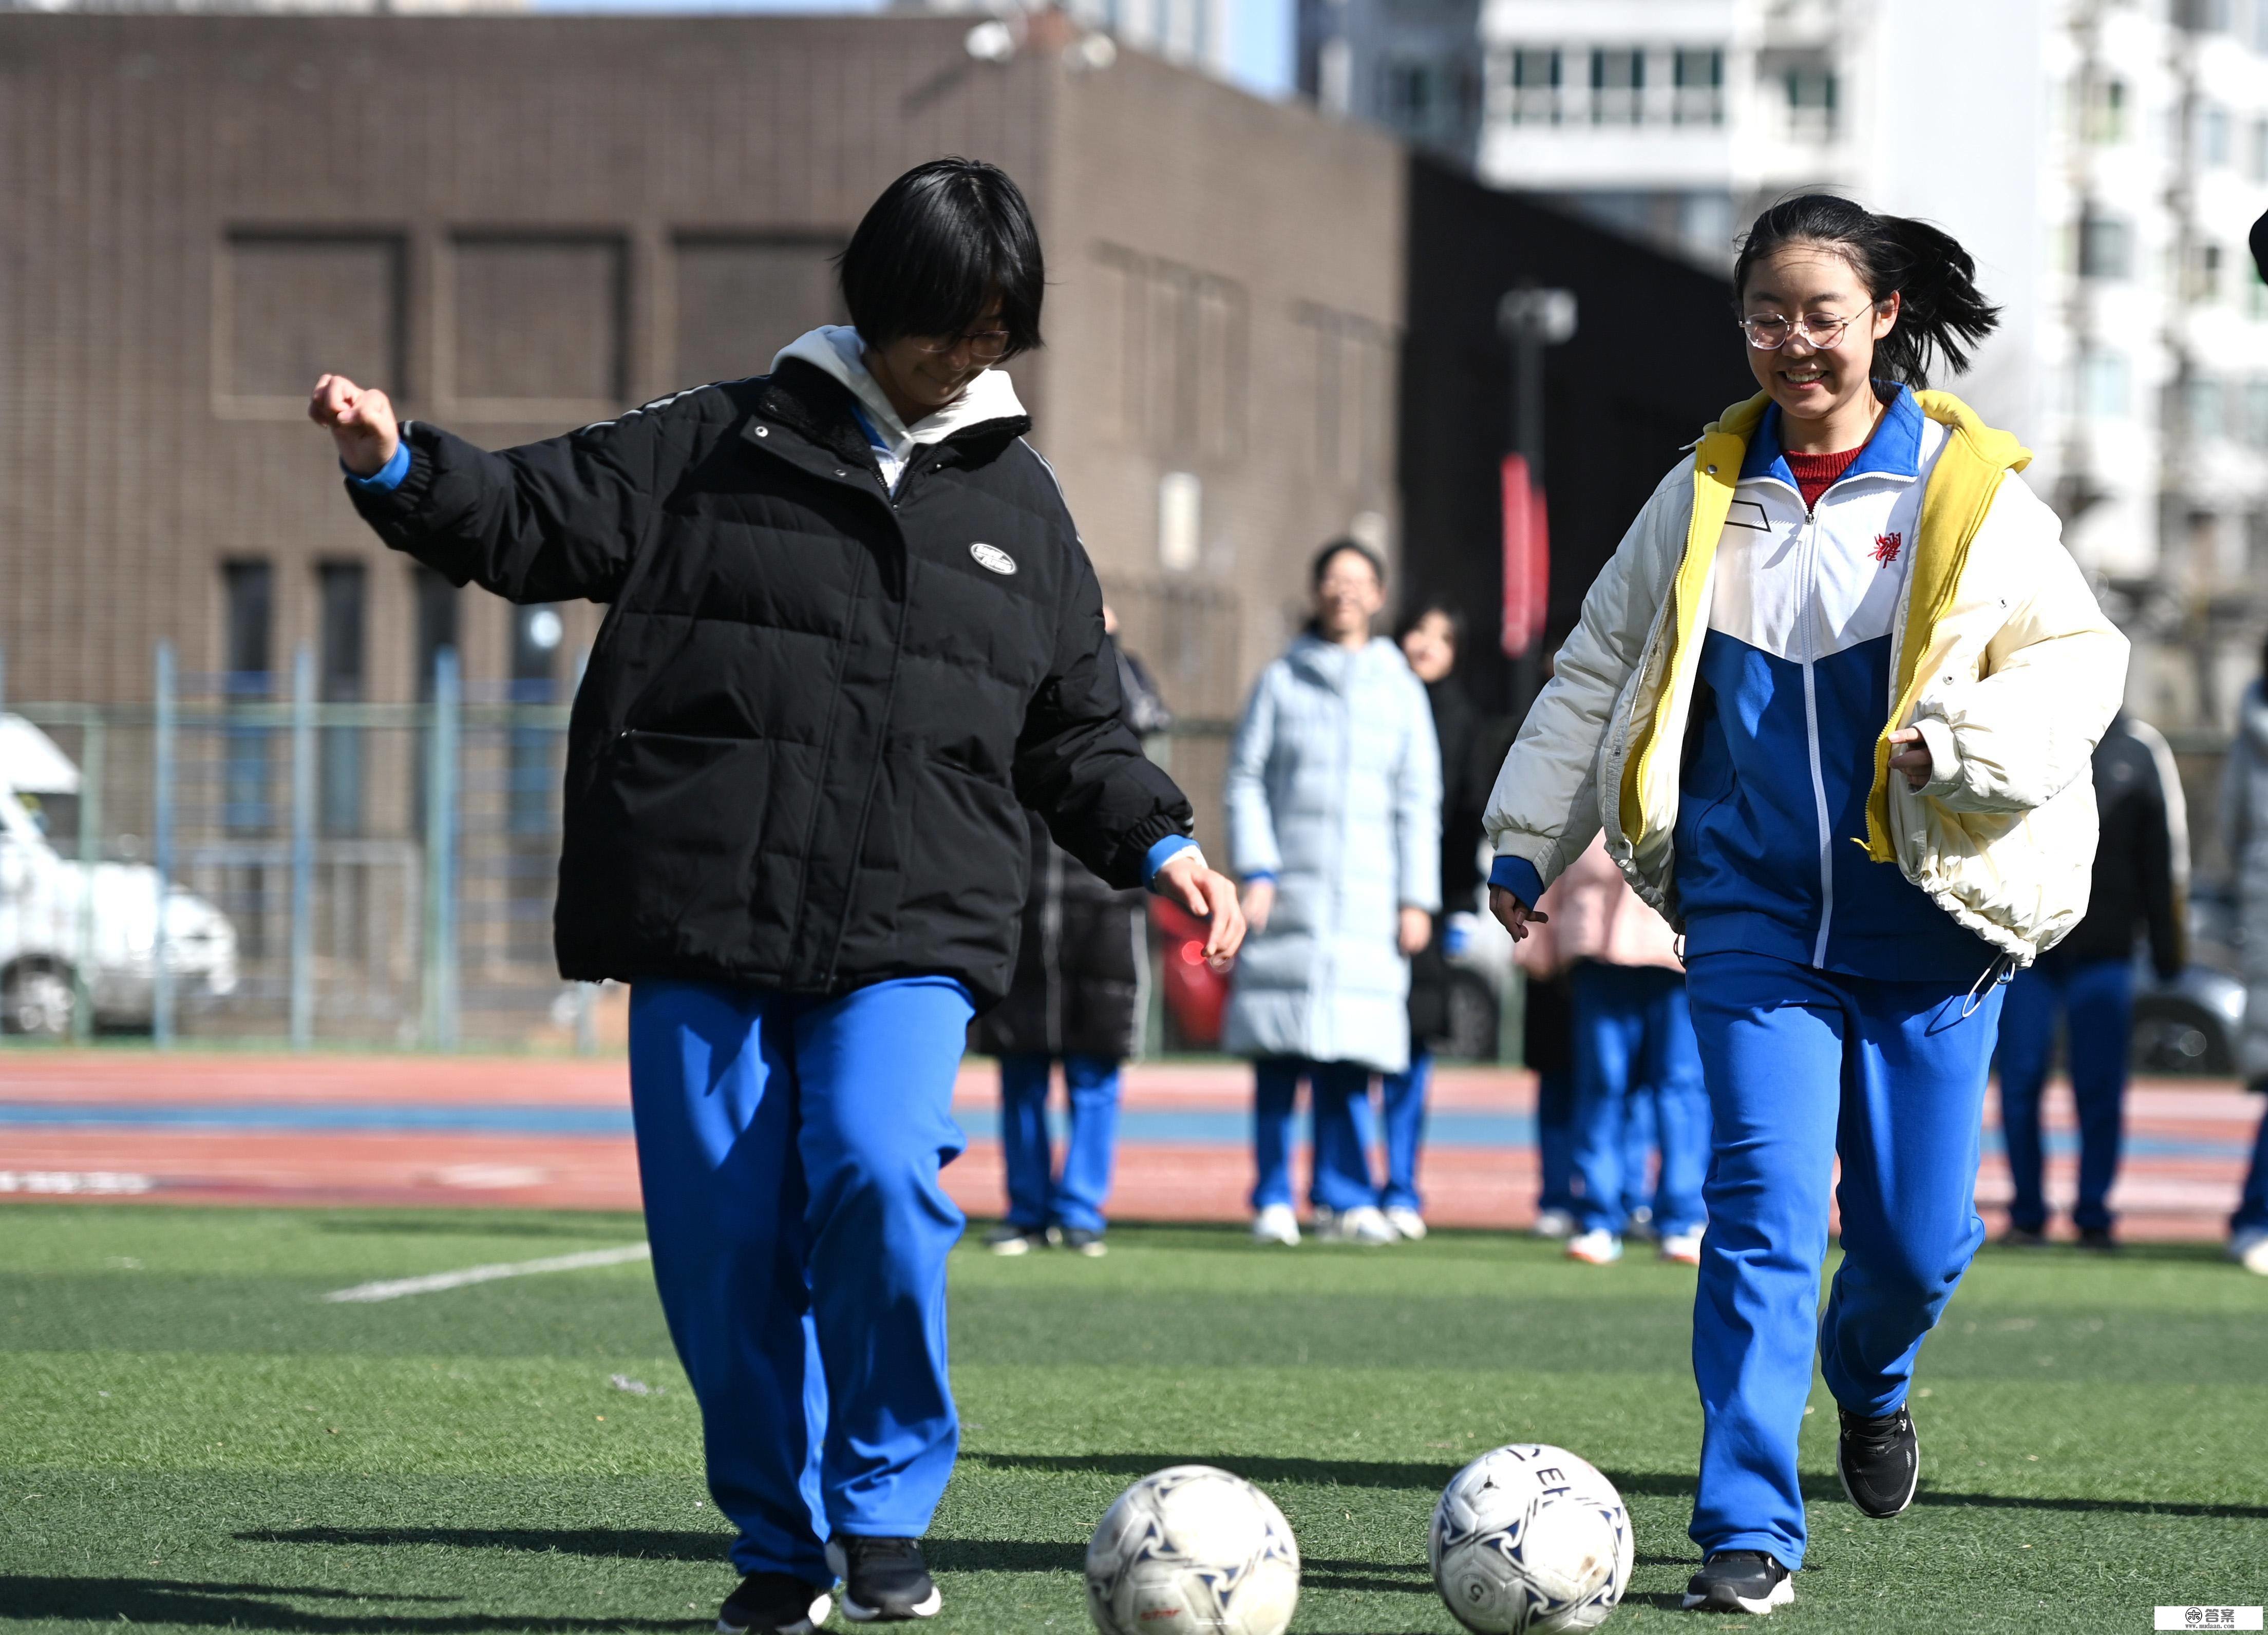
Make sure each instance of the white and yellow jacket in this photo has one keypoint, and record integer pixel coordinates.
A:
(1925, 589)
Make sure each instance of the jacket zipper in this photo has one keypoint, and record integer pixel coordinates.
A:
(1808, 611)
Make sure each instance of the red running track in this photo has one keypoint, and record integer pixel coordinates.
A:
(2190, 1138)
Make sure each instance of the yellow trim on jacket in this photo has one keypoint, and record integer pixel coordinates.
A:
(1968, 474)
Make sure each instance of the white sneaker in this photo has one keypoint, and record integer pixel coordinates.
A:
(1684, 1247)
(2249, 1249)
(1552, 1223)
(1597, 1246)
(1406, 1222)
(1276, 1223)
(1364, 1224)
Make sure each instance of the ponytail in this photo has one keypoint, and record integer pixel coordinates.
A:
(1940, 310)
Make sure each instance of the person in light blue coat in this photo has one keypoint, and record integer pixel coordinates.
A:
(1334, 795)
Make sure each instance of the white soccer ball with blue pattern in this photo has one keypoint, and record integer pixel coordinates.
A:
(1192, 1548)
(1529, 1539)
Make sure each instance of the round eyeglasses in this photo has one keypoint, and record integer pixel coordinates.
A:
(1821, 332)
(985, 346)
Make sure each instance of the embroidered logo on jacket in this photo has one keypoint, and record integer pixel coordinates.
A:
(1886, 548)
(993, 557)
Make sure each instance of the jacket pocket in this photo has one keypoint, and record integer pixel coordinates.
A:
(676, 823)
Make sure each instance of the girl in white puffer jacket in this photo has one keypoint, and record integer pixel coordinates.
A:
(1832, 702)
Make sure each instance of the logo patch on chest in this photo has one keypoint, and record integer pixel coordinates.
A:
(993, 557)
(1887, 547)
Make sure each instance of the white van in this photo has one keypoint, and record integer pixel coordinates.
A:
(45, 931)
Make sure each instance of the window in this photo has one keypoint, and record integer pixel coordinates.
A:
(540, 320)
(437, 603)
(2102, 110)
(1535, 87)
(1352, 397)
(248, 663)
(1176, 357)
(1699, 77)
(2103, 386)
(2214, 136)
(1617, 86)
(740, 299)
(294, 304)
(2106, 247)
(342, 589)
(2256, 412)
(2256, 145)
(1811, 102)
(2206, 406)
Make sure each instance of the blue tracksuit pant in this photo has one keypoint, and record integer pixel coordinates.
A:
(2097, 999)
(1804, 1065)
(2252, 1207)
(1038, 1198)
(1402, 1110)
(789, 1151)
(1340, 1092)
(1634, 1036)
(1555, 1139)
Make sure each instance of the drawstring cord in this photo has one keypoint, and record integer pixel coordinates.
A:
(1996, 975)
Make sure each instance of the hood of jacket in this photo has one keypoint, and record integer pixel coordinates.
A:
(837, 352)
(1335, 667)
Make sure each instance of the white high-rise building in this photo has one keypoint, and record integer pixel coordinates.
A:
(2102, 159)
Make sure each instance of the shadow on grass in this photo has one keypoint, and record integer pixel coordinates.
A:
(625, 1544)
(261, 1607)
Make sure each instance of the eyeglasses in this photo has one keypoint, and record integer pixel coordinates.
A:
(1821, 331)
(985, 346)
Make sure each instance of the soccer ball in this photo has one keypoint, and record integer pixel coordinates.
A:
(1192, 1548)
(1530, 1540)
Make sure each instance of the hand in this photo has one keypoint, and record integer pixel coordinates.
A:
(1515, 916)
(1914, 760)
(1415, 931)
(360, 421)
(1210, 895)
(1259, 902)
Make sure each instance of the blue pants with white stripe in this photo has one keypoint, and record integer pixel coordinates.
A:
(789, 1150)
(1804, 1066)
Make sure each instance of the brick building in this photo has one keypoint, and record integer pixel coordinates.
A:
(519, 223)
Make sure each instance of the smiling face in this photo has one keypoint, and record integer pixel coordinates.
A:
(1828, 386)
(923, 373)
(1347, 598)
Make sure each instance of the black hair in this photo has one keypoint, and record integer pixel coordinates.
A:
(1323, 562)
(1940, 310)
(942, 241)
(1418, 613)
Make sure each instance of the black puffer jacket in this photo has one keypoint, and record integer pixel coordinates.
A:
(1079, 971)
(815, 712)
(2138, 884)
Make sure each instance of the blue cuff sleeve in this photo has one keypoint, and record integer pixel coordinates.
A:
(1267, 875)
(388, 476)
(1164, 852)
(1518, 876)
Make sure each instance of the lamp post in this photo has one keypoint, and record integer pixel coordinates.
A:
(1530, 318)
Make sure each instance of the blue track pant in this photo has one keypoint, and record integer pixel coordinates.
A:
(1803, 1066)
(1634, 1037)
(1402, 1110)
(2252, 1207)
(1555, 1139)
(789, 1151)
(1340, 1095)
(2097, 999)
(1037, 1199)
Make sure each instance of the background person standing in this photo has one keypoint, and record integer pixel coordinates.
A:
(1081, 971)
(1334, 796)
(2244, 821)
(1431, 638)
(2141, 879)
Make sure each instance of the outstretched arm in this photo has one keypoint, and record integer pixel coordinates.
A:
(550, 521)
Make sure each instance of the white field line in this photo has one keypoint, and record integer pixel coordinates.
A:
(433, 1282)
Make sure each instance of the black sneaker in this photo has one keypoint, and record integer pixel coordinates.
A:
(884, 1580)
(1740, 1580)
(1079, 1240)
(773, 1603)
(1879, 1458)
(2023, 1238)
(2098, 1239)
(1008, 1238)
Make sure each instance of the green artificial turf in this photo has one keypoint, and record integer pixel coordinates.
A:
(190, 1438)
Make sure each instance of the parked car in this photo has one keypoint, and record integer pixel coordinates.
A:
(66, 926)
(2191, 1024)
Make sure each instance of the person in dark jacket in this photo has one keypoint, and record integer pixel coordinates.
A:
(851, 636)
(1077, 999)
(2141, 875)
(1430, 637)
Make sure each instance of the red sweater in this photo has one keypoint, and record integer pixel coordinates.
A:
(1814, 473)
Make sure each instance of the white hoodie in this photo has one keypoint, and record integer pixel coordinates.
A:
(836, 349)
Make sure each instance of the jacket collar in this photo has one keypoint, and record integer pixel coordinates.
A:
(1335, 667)
(837, 352)
(1893, 451)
